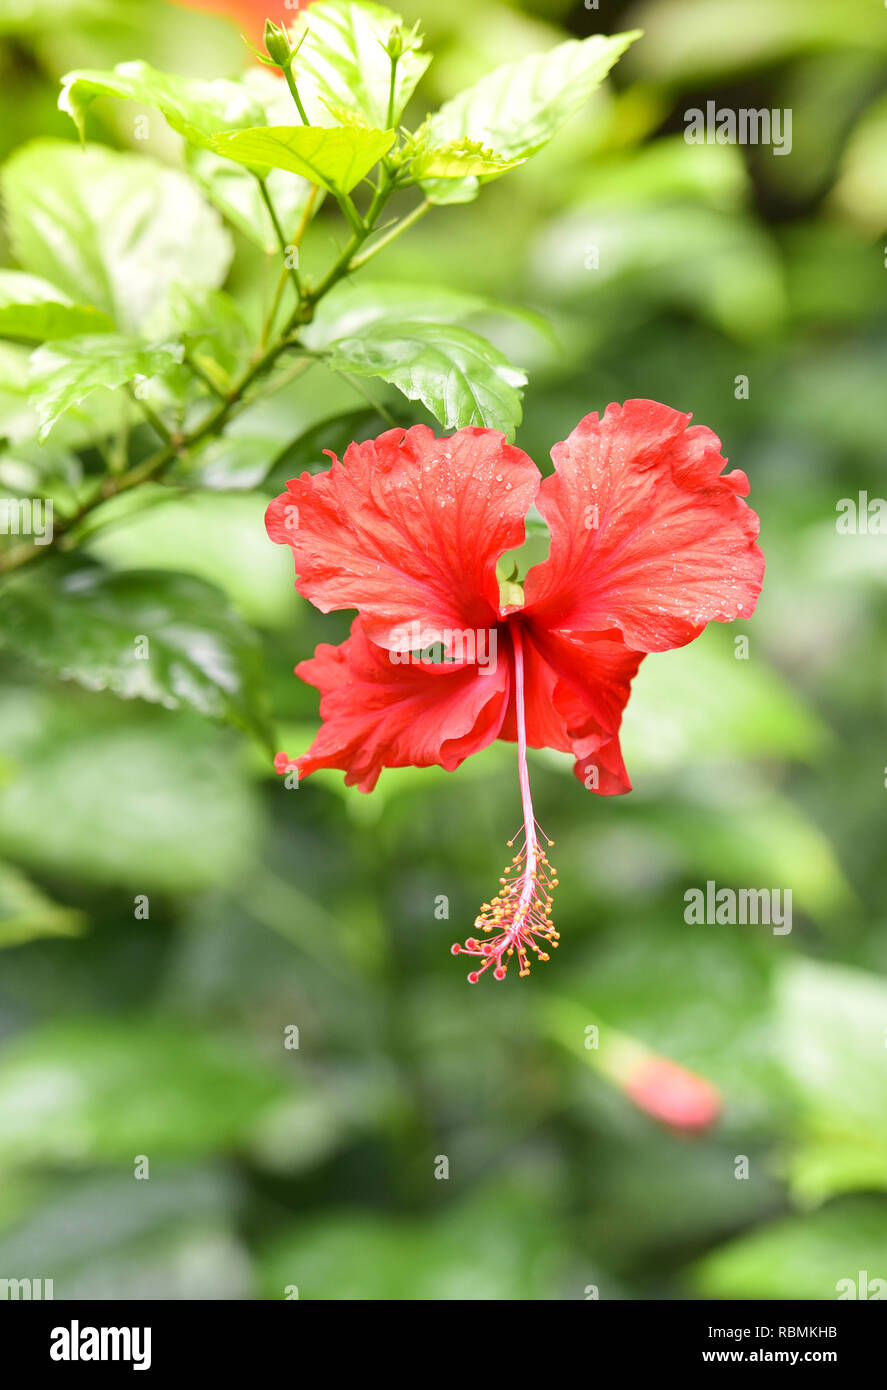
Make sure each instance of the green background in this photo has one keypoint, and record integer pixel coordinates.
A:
(272, 1167)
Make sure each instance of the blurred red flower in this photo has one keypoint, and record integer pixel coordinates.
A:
(670, 1093)
(250, 15)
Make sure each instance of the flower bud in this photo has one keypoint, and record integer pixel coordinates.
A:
(400, 42)
(277, 44)
(673, 1095)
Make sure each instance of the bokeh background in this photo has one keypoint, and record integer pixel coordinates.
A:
(271, 1166)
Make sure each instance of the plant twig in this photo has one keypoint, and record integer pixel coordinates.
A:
(362, 390)
(155, 464)
(291, 83)
(399, 227)
(281, 239)
(152, 417)
(203, 376)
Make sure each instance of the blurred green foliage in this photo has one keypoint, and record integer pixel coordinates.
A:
(165, 1036)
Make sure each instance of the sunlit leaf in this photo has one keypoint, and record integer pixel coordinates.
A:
(333, 157)
(516, 109)
(63, 374)
(456, 160)
(232, 188)
(196, 108)
(343, 62)
(111, 230)
(33, 309)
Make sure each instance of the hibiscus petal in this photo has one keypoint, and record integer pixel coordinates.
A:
(380, 712)
(594, 671)
(576, 687)
(407, 528)
(647, 534)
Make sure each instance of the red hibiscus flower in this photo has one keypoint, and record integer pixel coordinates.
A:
(650, 540)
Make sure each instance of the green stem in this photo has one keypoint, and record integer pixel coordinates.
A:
(119, 449)
(296, 242)
(203, 376)
(176, 445)
(399, 227)
(278, 232)
(152, 417)
(346, 262)
(349, 211)
(152, 466)
(291, 83)
(362, 390)
(306, 215)
(391, 94)
(275, 305)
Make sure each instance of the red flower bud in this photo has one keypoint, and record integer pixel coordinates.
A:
(672, 1094)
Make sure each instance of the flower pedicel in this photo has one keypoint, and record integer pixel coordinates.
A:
(650, 541)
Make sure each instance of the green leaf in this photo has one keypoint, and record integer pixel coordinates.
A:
(63, 374)
(96, 419)
(472, 1250)
(176, 1242)
(196, 108)
(112, 230)
(832, 1030)
(344, 64)
(170, 639)
(333, 157)
(442, 192)
(306, 453)
(124, 795)
(458, 159)
(26, 914)
(353, 306)
(517, 108)
(33, 309)
(460, 377)
(808, 1257)
(108, 1089)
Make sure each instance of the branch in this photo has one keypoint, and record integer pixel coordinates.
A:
(175, 445)
(151, 467)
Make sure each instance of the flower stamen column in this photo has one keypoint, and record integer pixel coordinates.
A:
(520, 913)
